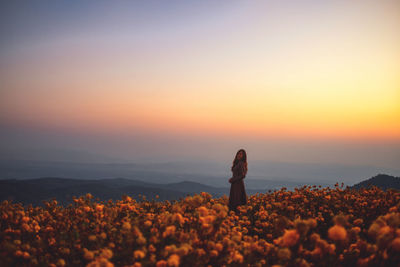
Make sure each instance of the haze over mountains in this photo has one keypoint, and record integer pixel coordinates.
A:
(28, 164)
(32, 176)
(34, 191)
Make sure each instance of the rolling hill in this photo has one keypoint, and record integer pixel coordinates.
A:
(382, 181)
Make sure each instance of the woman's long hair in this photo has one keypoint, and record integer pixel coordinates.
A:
(244, 160)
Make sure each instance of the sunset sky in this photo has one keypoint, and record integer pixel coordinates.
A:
(299, 81)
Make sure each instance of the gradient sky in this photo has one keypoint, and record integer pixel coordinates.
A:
(313, 81)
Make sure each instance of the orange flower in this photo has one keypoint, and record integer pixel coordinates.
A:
(106, 253)
(219, 247)
(356, 229)
(178, 218)
(170, 230)
(173, 260)
(126, 226)
(141, 240)
(200, 252)
(203, 211)
(337, 233)
(331, 249)
(30, 234)
(99, 207)
(396, 244)
(213, 253)
(284, 254)
(161, 263)
(290, 238)
(384, 230)
(61, 262)
(100, 262)
(312, 222)
(19, 253)
(238, 257)
(152, 248)
(88, 255)
(138, 254)
(86, 208)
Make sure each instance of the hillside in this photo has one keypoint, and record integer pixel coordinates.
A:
(382, 181)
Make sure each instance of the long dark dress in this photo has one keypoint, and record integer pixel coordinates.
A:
(237, 195)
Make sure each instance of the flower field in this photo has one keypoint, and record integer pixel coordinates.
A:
(309, 226)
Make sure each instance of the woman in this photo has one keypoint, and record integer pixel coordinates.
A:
(237, 195)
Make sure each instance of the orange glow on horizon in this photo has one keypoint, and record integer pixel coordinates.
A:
(327, 72)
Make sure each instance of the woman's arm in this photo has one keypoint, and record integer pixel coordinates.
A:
(240, 176)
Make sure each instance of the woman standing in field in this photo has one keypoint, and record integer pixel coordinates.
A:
(237, 195)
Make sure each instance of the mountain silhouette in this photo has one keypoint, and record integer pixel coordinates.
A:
(382, 181)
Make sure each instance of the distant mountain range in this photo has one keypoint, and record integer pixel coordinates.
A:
(383, 181)
(261, 174)
(206, 173)
(34, 191)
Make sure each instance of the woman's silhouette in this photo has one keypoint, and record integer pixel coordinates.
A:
(237, 195)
